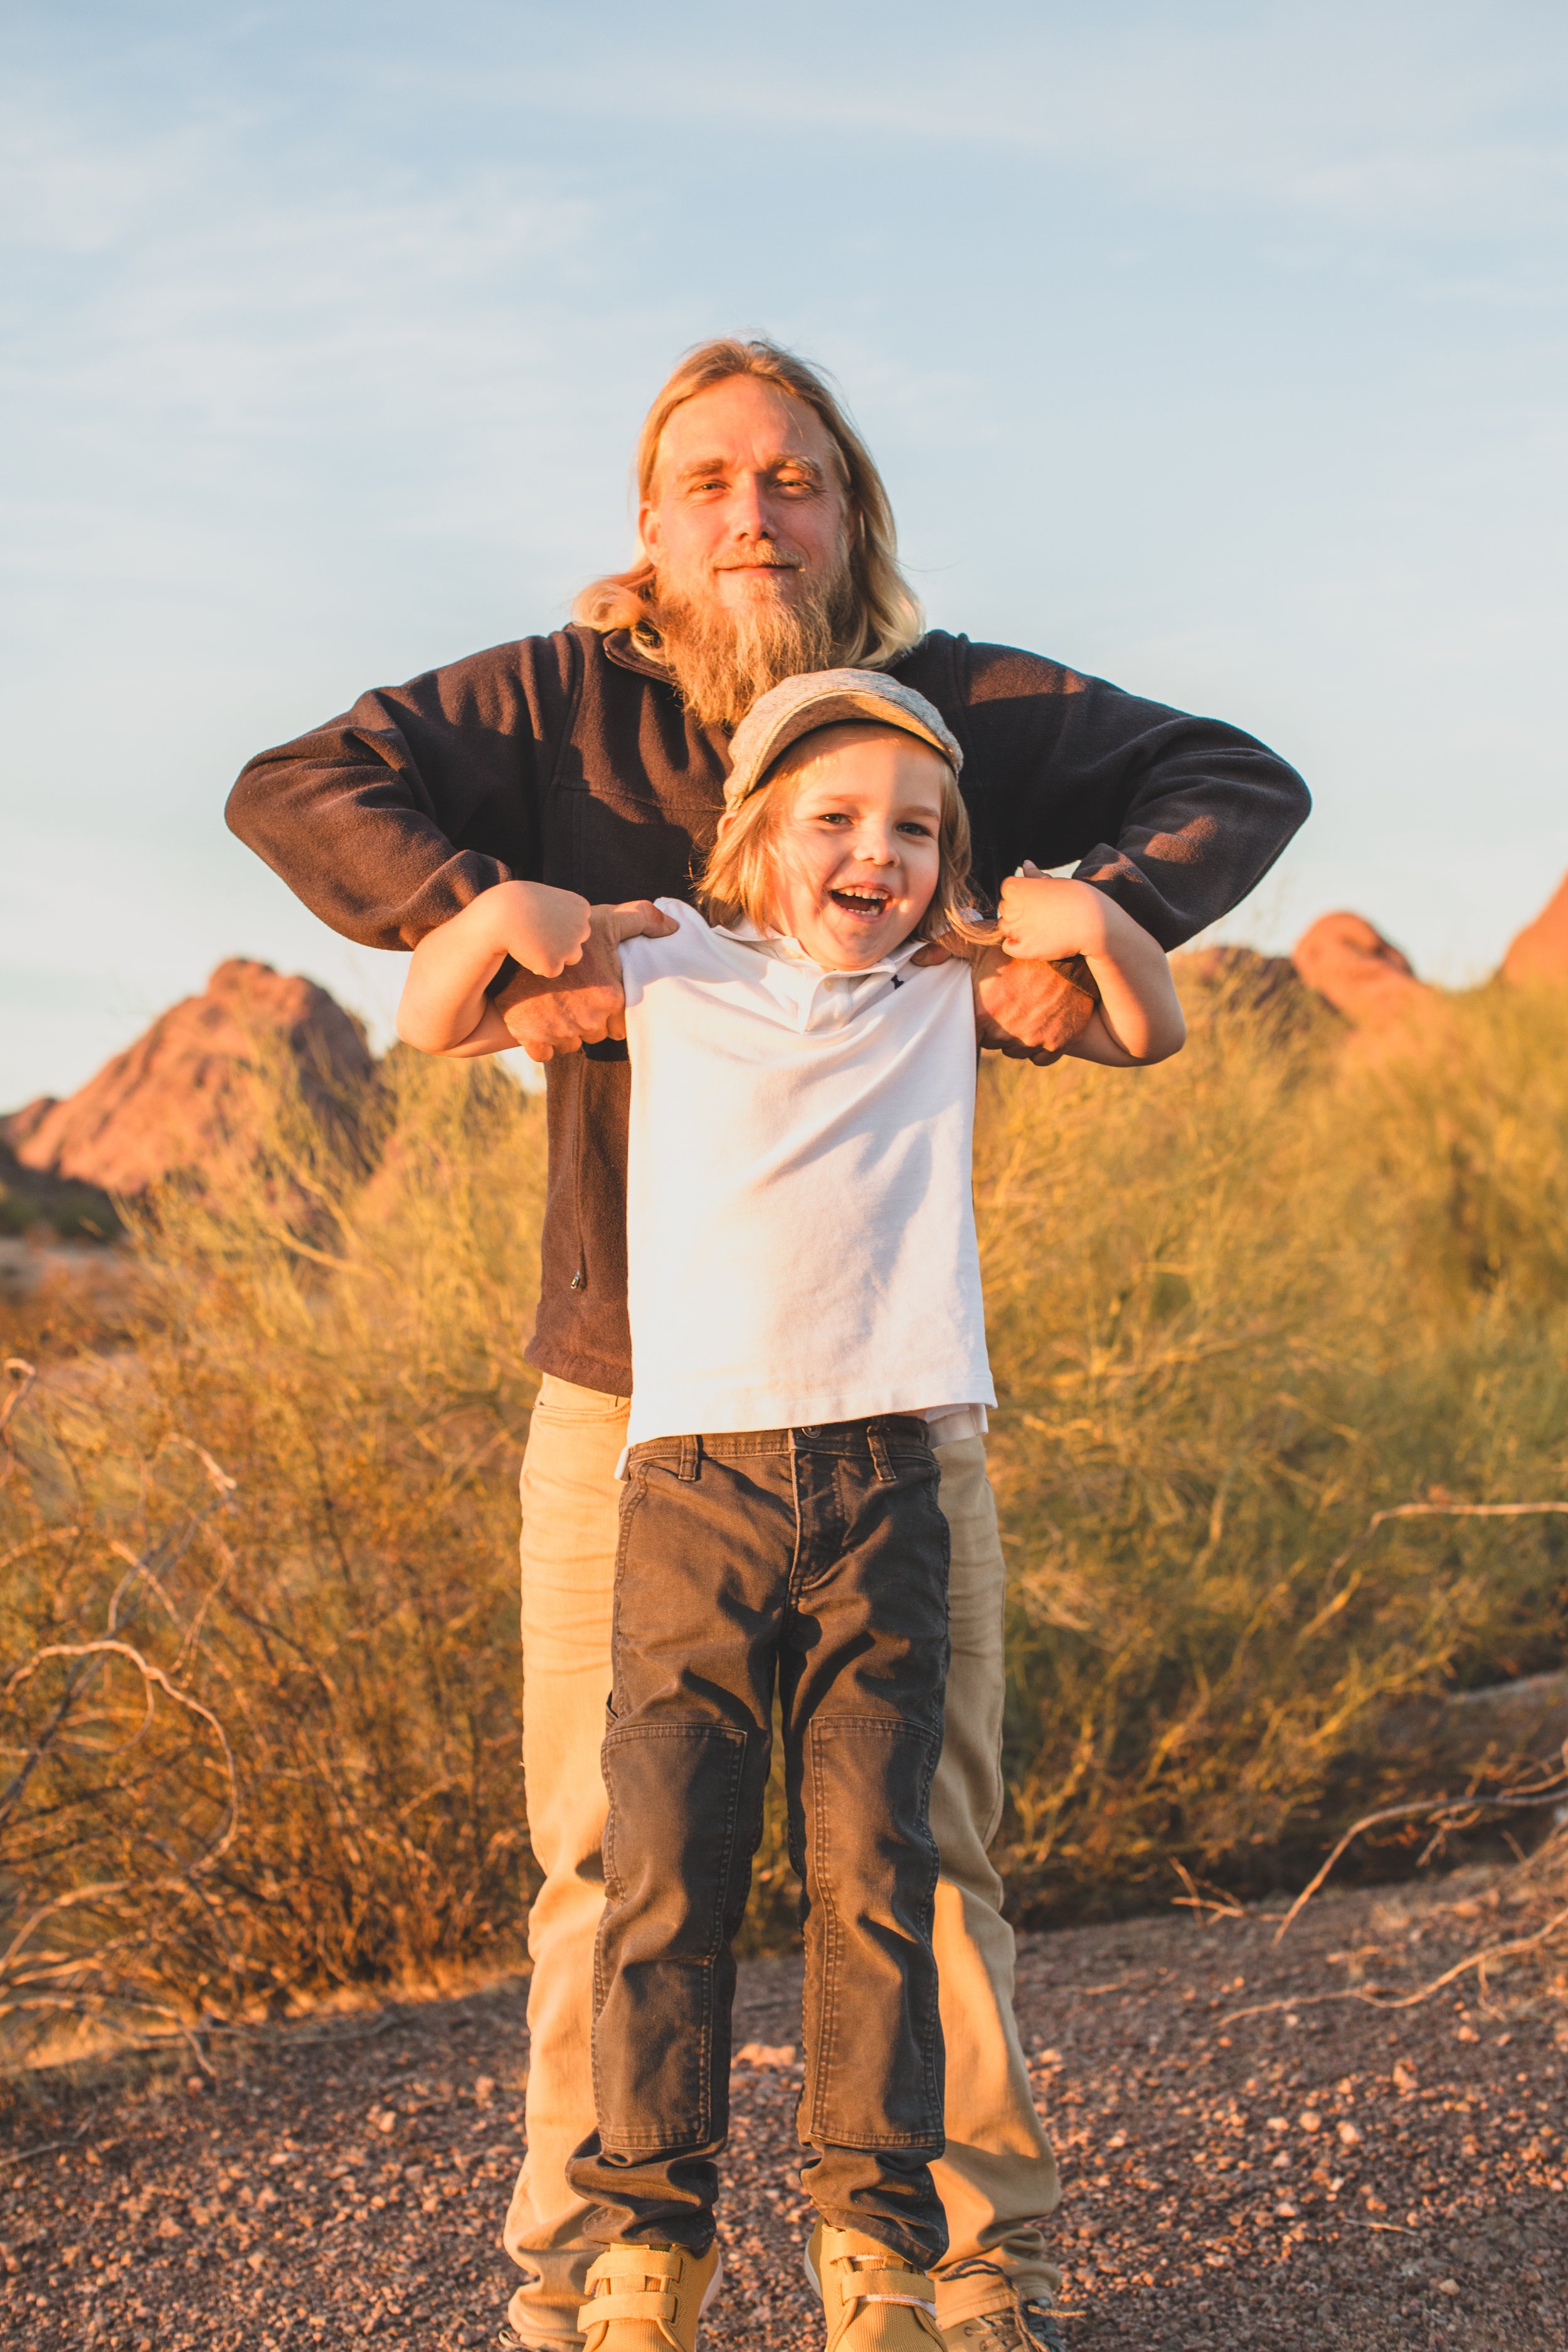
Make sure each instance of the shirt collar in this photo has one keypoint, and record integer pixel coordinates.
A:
(788, 951)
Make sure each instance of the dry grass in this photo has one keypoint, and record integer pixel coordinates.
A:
(1240, 1303)
(263, 1735)
(262, 1724)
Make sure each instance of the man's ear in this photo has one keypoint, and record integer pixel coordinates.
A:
(647, 518)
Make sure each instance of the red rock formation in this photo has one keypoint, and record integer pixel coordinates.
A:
(181, 1096)
(1243, 977)
(1360, 973)
(16, 1129)
(1540, 950)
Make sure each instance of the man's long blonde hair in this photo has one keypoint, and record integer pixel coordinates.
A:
(887, 616)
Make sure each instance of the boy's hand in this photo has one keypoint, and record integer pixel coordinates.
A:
(1043, 920)
(1030, 1007)
(586, 1003)
(540, 928)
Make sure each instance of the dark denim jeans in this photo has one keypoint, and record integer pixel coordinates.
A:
(816, 1558)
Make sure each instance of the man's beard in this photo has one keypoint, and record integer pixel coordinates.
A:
(722, 656)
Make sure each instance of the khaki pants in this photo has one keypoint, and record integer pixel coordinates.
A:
(998, 2180)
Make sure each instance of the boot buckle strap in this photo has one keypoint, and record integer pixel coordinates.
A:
(637, 2261)
(603, 2307)
(870, 2281)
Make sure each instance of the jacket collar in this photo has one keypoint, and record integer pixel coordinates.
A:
(620, 649)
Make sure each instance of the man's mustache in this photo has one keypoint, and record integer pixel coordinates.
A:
(764, 562)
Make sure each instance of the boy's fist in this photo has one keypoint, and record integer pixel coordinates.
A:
(1043, 921)
(540, 928)
(586, 1005)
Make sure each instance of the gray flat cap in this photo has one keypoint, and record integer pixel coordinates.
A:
(826, 698)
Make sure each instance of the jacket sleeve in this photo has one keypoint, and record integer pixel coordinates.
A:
(389, 819)
(1177, 817)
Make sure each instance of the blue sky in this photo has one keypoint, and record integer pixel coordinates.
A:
(1219, 349)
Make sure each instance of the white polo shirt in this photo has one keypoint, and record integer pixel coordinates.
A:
(800, 1227)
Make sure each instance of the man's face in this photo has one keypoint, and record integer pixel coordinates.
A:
(747, 507)
(858, 854)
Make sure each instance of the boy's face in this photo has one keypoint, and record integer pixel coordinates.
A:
(858, 852)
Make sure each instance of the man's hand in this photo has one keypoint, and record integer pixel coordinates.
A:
(587, 1003)
(1030, 1012)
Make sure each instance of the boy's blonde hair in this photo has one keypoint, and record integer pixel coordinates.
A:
(736, 883)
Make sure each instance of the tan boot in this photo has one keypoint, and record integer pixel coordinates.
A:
(1010, 2322)
(648, 2298)
(872, 2301)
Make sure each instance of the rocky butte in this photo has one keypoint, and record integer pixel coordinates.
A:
(182, 1097)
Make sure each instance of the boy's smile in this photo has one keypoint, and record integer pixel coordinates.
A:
(858, 853)
(869, 902)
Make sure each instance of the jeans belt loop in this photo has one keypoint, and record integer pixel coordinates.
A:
(880, 1459)
(690, 1452)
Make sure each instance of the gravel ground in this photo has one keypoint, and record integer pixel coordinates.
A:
(1316, 2175)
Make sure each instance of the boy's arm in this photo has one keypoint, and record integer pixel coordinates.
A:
(444, 1008)
(1138, 1019)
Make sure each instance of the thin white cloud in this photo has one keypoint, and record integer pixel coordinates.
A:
(1213, 347)
(1417, 117)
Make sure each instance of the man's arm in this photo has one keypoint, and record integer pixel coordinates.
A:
(1176, 817)
(390, 819)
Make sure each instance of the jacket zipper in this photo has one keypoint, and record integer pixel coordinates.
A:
(580, 1279)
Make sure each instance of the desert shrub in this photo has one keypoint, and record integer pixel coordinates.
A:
(34, 1201)
(259, 1612)
(1238, 1304)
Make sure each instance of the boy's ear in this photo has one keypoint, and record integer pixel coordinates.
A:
(725, 822)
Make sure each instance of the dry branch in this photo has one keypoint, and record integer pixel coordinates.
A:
(1482, 1959)
(1462, 1810)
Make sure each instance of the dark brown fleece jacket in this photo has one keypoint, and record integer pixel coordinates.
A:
(568, 758)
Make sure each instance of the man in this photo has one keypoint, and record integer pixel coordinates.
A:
(595, 759)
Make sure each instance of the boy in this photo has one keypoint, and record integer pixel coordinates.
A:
(805, 1313)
